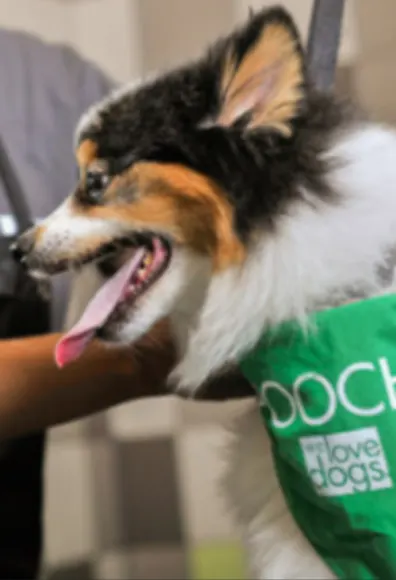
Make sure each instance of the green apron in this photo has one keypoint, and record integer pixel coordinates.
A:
(328, 399)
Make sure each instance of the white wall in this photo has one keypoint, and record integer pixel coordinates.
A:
(127, 37)
(375, 76)
(301, 10)
(105, 31)
(176, 30)
(49, 19)
(109, 33)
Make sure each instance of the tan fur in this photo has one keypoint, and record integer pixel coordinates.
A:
(86, 153)
(228, 73)
(268, 79)
(176, 200)
(38, 231)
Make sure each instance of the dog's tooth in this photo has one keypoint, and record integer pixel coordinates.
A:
(129, 291)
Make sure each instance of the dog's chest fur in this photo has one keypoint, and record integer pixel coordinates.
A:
(319, 257)
(317, 260)
(357, 251)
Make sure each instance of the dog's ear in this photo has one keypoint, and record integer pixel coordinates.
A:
(263, 74)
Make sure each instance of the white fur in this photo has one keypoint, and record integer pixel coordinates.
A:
(64, 229)
(181, 289)
(276, 547)
(85, 283)
(317, 257)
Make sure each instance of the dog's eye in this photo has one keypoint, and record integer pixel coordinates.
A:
(95, 185)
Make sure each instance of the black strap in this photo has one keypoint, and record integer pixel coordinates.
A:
(14, 191)
(324, 41)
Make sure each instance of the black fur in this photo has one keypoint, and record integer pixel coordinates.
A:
(258, 170)
(244, 39)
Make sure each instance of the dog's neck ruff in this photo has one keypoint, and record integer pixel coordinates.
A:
(328, 399)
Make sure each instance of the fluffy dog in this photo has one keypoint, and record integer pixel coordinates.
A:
(230, 196)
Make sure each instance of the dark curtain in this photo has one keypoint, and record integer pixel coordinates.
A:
(21, 461)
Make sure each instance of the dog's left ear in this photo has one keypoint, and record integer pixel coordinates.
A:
(263, 74)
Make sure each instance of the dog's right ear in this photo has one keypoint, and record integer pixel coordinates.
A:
(263, 74)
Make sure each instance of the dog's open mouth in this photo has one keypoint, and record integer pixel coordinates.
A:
(121, 291)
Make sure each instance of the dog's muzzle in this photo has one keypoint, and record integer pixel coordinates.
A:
(23, 246)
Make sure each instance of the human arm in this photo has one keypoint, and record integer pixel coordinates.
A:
(35, 394)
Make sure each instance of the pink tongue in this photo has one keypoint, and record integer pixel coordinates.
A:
(72, 345)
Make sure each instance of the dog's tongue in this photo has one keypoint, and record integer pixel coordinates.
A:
(72, 345)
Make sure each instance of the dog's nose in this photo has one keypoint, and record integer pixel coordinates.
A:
(22, 246)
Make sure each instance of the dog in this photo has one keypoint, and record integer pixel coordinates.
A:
(229, 196)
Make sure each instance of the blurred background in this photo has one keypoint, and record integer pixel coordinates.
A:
(132, 493)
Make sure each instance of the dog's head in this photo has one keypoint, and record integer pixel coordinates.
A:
(182, 178)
